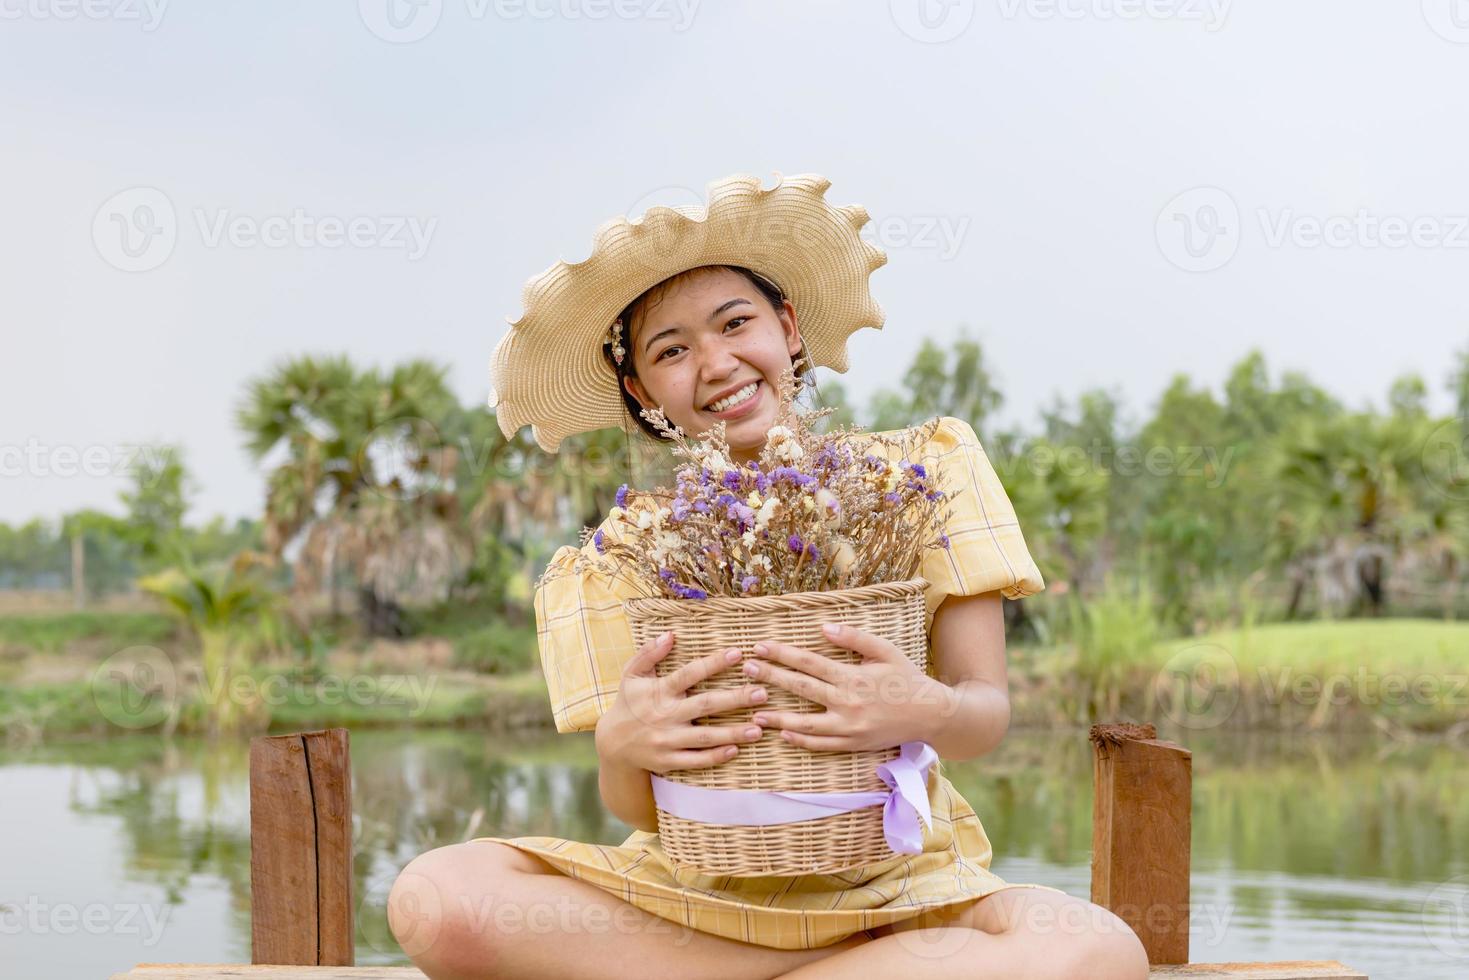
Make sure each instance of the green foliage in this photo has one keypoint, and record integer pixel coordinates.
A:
(1110, 634)
(53, 632)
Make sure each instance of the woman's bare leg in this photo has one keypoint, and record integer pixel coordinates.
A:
(484, 909)
(1016, 932)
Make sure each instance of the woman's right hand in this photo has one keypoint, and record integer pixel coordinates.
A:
(651, 724)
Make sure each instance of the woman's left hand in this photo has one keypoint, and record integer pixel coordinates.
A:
(877, 704)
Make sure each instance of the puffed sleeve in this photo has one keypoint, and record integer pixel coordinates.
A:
(986, 550)
(583, 635)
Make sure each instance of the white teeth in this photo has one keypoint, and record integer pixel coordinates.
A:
(735, 399)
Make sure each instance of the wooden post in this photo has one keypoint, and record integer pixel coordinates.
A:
(301, 849)
(1140, 835)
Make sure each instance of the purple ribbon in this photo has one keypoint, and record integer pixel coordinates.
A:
(906, 777)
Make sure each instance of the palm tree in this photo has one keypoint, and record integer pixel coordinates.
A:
(367, 481)
(232, 612)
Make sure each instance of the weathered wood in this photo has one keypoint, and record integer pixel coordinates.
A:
(1140, 835)
(301, 849)
(1291, 970)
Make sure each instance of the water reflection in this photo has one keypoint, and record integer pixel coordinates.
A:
(137, 849)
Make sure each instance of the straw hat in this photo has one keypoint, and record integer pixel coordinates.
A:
(548, 371)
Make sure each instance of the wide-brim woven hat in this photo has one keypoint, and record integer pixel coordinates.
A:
(548, 371)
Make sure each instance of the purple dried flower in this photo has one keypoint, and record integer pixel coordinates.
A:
(749, 582)
(597, 542)
(731, 479)
(742, 513)
(891, 496)
(944, 539)
(797, 545)
(916, 468)
(702, 506)
(621, 496)
(679, 509)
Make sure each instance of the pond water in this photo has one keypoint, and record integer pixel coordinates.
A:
(136, 849)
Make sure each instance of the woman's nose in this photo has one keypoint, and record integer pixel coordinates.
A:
(718, 362)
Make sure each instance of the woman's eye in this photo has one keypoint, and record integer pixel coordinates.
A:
(737, 320)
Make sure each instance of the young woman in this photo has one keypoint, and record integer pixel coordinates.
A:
(706, 338)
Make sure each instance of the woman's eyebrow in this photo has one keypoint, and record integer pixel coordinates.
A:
(717, 310)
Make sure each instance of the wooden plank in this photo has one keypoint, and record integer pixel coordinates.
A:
(1141, 812)
(1283, 970)
(331, 785)
(1289, 970)
(301, 849)
(219, 971)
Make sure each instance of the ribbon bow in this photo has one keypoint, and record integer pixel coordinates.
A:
(906, 801)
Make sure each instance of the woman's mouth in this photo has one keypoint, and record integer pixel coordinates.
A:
(739, 403)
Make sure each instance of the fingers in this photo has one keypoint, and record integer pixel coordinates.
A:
(869, 645)
(701, 669)
(803, 660)
(650, 653)
(717, 737)
(703, 760)
(713, 702)
(805, 685)
(799, 722)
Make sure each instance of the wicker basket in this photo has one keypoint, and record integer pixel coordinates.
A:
(828, 844)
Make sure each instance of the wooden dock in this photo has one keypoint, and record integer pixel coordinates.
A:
(301, 863)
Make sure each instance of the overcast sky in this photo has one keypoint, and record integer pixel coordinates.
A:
(1104, 192)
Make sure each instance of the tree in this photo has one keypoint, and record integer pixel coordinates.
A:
(367, 483)
(156, 505)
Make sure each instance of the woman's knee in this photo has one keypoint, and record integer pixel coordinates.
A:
(442, 904)
(1081, 937)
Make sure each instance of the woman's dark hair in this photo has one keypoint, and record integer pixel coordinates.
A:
(767, 288)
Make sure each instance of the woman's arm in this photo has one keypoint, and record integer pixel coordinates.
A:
(968, 641)
(626, 790)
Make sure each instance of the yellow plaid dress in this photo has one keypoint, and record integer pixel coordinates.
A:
(584, 641)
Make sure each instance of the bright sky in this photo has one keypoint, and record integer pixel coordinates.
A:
(1104, 192)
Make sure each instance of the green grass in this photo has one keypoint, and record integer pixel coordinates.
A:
(1413, 673)
(1399, 645)
(53, 632)
(75, 707)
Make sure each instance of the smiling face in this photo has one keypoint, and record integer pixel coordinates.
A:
(698, 348)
